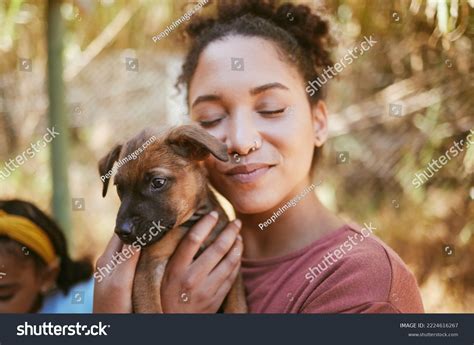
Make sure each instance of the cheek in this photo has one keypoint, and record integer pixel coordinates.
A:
(293, 139)
(24, 299)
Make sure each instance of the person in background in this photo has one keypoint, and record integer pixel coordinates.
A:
(37, 275)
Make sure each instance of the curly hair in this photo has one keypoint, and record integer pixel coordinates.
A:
(71, 272)
(301, 36)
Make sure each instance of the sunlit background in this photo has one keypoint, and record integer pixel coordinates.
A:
(397, 107)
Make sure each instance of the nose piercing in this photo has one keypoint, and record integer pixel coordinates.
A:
(236, 156)
(255, 146)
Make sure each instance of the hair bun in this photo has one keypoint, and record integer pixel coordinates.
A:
(309, 29)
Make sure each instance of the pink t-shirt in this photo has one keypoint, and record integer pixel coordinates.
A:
(346, 271)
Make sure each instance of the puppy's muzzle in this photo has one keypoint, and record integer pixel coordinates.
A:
(126, 230)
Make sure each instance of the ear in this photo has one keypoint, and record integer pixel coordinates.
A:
(105, 166)
(319, 114)
(50, 276)
(195, 143)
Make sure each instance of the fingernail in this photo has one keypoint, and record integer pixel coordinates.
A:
(214, 214)
(238, 223)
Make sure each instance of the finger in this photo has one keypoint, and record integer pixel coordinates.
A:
(227, 266)
(114, 295)
(198, 272)
(114, 245)
(193, 240)
(127, 263)
(121, 264)
(218, 249)
(224, 289)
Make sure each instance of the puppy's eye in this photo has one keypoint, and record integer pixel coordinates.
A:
(158, 182)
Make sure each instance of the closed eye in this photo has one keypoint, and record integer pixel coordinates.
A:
(211, 123)
(272, 112)
(207, 124)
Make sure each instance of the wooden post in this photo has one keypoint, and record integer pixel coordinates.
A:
(58, 118)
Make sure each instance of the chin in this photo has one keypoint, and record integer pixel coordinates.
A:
(250, 198)
(253, 203)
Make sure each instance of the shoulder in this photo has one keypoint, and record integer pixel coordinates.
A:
(364, 272)
(79, 300)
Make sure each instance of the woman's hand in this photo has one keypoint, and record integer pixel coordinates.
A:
(113, 292)
(200, 286)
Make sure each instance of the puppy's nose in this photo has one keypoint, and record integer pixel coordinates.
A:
(125, 229)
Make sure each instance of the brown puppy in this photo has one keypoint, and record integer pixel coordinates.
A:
(163, 191)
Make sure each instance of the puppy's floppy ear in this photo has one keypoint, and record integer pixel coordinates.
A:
(193, 142)
(106, 164)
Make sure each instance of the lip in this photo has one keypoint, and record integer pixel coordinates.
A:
(249, 172)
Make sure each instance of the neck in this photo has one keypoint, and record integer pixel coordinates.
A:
(293, 228)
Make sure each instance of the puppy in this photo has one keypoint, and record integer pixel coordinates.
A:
(164, 190)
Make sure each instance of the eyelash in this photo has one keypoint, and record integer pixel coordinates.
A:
(271, 112)
(207, 124)
(263, 112)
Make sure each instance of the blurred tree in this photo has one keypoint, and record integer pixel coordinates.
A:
(57, 116)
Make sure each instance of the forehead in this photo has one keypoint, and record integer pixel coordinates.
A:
(142, 154)
(241, 62)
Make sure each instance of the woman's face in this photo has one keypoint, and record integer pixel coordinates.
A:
(20, 287)
(245, 94)
(23, 282)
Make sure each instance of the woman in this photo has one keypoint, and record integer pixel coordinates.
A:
(245, 76)
(36, 272)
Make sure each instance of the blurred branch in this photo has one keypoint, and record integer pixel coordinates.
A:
(6, 38)
(374, 111)
(101, 41)
(11, 138)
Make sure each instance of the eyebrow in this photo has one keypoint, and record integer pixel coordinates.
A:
(205, 98)
(263, 88)
(253, 92)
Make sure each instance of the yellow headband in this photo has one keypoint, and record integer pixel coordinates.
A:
(24, 231)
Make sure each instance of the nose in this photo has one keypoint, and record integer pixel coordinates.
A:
(125, 228)
(242, 134)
